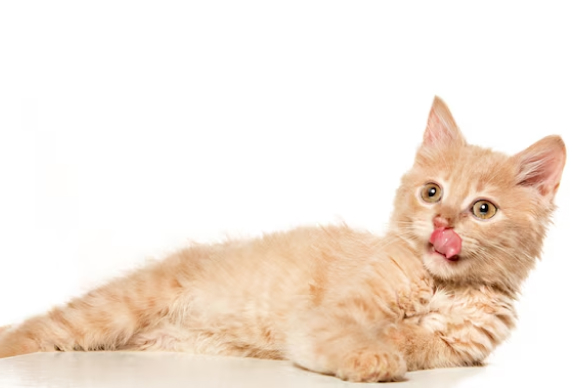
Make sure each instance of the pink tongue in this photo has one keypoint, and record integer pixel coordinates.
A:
(446, 242)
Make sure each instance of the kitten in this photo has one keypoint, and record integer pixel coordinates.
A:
(436, 291)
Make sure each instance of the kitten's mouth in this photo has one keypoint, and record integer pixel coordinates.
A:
(446, 242)
(453, 258)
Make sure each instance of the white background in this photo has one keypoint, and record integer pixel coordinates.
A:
(129, 128)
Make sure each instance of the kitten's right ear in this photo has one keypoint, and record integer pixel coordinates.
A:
(441, 129)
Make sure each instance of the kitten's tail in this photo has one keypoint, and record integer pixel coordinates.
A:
(103, 319)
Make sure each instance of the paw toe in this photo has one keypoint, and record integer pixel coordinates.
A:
(369, 366)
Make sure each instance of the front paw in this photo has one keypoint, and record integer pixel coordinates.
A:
(369, 365)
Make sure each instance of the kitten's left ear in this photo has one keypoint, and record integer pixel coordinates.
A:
(441, 129)
(541, 165)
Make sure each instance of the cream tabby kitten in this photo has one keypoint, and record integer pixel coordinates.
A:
(436, 291)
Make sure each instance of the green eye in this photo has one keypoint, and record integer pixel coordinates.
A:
(431, 192)
(484, 209)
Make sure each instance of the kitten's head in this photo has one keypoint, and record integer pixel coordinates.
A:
(477, 215)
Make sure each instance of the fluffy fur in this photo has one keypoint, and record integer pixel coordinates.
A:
(335, 300)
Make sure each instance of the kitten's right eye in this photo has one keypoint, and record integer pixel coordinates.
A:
(431, 192)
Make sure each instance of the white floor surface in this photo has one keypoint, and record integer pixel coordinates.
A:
(176, 370)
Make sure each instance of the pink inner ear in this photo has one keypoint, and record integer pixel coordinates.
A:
(441, 128)
(541, 165)
(435, 129)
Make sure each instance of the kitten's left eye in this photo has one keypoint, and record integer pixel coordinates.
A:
(484, 209)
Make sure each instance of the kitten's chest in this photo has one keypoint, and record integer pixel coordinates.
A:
(406, 288)
(414, 298)
(455, 310)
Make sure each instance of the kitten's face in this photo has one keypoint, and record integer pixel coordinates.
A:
(474, 214)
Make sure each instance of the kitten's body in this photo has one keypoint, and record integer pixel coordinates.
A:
(335, 300)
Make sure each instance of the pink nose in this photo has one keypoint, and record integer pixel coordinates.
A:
(440, 222)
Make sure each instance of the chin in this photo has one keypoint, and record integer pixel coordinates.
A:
(441, 267)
